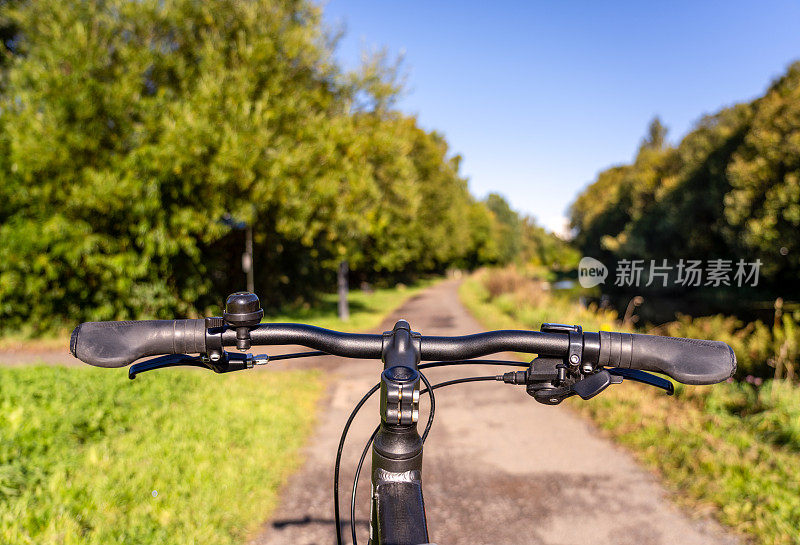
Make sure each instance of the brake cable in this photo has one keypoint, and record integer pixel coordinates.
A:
(339, 460)
(355, 482)
(427, 365)
(299, 355)
(344, 435)
(428, 390)
(472, 362)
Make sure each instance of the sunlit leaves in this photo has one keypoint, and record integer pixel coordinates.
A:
(730, 188)
(129, 130)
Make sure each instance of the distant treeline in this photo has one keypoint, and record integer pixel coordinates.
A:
(729, 190)
(135, 137)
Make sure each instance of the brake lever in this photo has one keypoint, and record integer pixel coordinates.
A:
(644, 378)
(225, 363)
(162, 362)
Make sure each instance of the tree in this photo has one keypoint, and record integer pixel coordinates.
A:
(656, 138)
(131, 128)
(763, 205)
(508, 228)
(128, 130)
(540, 247)
(729, 190)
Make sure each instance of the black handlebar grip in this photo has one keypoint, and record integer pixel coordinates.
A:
(690, 361)
(117, 344)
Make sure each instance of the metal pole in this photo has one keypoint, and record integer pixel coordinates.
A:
(248, 248)
(344, 308)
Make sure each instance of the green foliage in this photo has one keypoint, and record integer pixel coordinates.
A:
(543, 248)
(508, 237)
(82, 450)
(656, 138)
(507, 298)
(128, 130)
(729, 189)
(509, 228)
(764, 201)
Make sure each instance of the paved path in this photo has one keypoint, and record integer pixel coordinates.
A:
(37, 357)
(499, 468)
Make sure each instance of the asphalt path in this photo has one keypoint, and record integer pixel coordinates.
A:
(498, 467)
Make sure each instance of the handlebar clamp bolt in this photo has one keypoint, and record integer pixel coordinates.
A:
(574, 359)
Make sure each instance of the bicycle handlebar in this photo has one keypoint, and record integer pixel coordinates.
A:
(354, 345)
(690, 361)
(117, 344)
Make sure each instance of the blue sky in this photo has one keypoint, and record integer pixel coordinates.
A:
(539, 97)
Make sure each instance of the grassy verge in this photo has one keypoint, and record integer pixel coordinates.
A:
(88, 457)
(732, 449)
(180, 457)
(367, 311)
(516, 304)
(741, 465)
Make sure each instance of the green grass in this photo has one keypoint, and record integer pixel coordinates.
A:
(82, 451)
(743, 465)
(475, 297)
(732, 449)
(509, 310)
(367, 309)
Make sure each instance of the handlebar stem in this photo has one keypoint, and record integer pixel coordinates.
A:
(397, 449)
